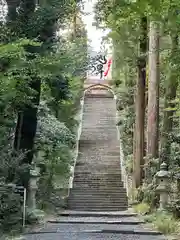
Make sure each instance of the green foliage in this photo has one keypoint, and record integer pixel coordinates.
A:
(147, 194)
(33, 46)
(164, 222)
(142, 208)
(174, 208)
(52, 132)
(54, 141)
(10, 210)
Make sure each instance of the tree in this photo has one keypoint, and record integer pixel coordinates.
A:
(140, 107)
(153, 91)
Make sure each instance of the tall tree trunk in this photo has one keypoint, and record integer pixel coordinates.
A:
(27, 118)
(140, 108)
(153, 92)
(26, 128)
(170, 95)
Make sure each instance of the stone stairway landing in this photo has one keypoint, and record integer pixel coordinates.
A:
(97, 184)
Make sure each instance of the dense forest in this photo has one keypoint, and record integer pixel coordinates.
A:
(145, 39)
(43, 60)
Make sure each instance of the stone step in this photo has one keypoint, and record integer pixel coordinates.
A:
(101, 153)
(96, 170)
(103, 189)
(99, 201)
(88, 95)
(104, 186)
(99, 188)
(110, 158)
(104, 180)
(108, 126)
(107, 118)
(114, 166)
(95, 189)
(103, 183)
(98, 176)
(101, 145)
(96, 204)
(118, 192)
(94, 214)
(107, 168)
(92, 137)
(98, 209)
(83, 163)
(107, 161)
(100, 110)
(114, 143)
(103, 150)
(100, 197)
(97, 131)
(104, 162)
(81, 177)
(98, 136)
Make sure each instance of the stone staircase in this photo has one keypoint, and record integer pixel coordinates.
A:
(97, 195)
(97, 184)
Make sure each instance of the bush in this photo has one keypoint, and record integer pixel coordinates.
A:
(10, 209)
(147, 194)
(164, 222)
(55, 141)
(52, 132)
(142, 208)
(174, 208)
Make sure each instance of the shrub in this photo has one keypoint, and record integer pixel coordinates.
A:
(174, 208)
(142, 208)
(10, 210)
(147, 194)
(55, 141)
(164, 222)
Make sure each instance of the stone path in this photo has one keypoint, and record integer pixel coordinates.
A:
(97, 182)
(97, 186)
(91, 226)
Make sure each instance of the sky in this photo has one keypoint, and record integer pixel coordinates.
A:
(94, 35)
